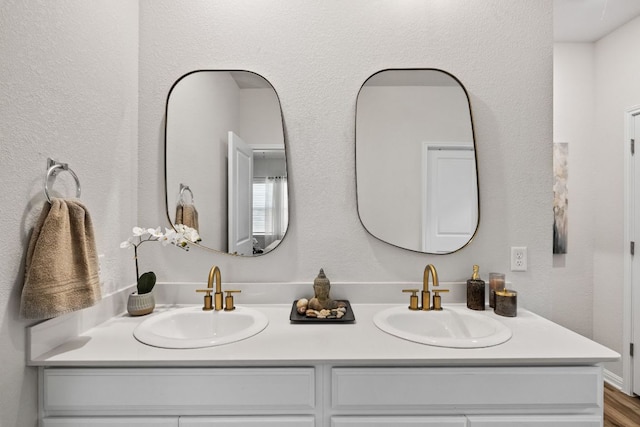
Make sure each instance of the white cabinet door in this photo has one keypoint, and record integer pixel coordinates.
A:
(400, 421)
(254, 421)
(110, 422)
(177, 391)
(499, 390)
(536, 421)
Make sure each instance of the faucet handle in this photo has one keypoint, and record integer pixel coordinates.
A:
(437, 299)
(208, 299)
(413, 299)
(228, 300)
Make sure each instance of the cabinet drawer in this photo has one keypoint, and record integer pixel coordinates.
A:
(111, 422)
(174, 391)
(536, 421)
(399, 421)
(262, 421)
(467, 390)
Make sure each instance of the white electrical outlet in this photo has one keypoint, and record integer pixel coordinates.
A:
(519, 258)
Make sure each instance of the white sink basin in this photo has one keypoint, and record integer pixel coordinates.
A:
(454, 326)
(191, 327)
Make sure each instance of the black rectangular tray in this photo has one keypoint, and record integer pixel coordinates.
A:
(296, 317)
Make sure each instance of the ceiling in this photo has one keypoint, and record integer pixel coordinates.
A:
(590, 20)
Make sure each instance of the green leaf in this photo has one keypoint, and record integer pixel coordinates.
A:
(146, 282)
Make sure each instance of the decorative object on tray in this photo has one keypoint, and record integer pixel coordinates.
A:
(321, 307)
(321, 289)
(142, 301)
(329, 316)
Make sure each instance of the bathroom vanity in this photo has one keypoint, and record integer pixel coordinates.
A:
(318, 375)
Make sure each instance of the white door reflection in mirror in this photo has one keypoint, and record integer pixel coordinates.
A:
(202, 108)
(450, 205)
(397, 112)
(240, 170)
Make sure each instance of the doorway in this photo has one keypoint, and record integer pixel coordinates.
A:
(631, 364)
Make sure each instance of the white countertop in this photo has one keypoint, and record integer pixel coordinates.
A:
(535, 342)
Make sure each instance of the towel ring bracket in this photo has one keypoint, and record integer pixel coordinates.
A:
(53, 169)
(184, 188)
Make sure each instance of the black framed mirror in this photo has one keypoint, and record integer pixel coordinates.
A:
(226, 162)
(416, 166)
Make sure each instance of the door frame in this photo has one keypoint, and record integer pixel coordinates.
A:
(629, 215)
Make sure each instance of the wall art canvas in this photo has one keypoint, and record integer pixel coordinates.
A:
(560, 200)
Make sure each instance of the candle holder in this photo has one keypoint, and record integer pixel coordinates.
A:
(506, 303)
(496, 283)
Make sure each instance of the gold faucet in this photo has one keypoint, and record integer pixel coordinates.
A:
(215, 302)
(426, 295)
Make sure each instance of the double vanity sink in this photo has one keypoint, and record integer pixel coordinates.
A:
(220, 322)
(253, 367)
(191, 327)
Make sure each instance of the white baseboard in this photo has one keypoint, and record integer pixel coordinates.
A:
(612, 379)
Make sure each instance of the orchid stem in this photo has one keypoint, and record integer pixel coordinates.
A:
(135, 256)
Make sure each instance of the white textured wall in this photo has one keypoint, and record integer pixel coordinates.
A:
(617, 68)
(574, 122)
(68, 89)
(69, 79)
(317, 54)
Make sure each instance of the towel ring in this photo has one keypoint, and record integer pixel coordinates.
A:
(184, 188)
(53, 168)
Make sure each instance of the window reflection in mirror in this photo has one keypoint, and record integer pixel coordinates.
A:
(415, 160)
(224, 140)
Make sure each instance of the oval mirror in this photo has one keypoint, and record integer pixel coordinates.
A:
(225, 161)
(416, 173)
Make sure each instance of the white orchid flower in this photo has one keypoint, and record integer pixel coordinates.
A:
(139, 231)
(141, 235)
(188, 233)
(155, 232)
(169, 237)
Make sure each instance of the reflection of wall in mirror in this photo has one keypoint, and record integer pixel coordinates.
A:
(203, 107)
(392, 124)
(260, 118)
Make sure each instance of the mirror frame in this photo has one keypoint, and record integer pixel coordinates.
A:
(475, 148)
(284, 141)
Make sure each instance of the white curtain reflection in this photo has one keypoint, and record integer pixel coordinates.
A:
(270, 213)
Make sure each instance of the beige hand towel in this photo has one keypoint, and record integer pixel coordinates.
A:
(62, 262)
(179, 214)
(188, 215)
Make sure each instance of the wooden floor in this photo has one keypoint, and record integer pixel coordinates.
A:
(620, 410)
